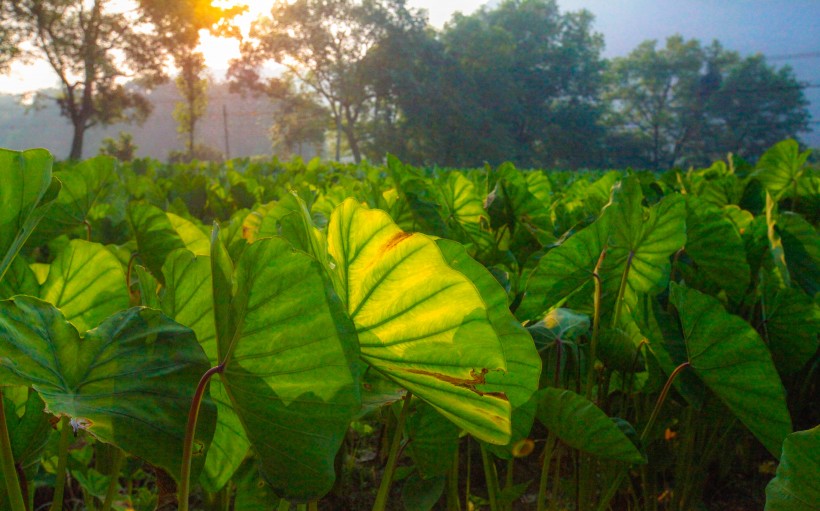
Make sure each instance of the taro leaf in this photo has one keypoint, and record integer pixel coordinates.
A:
(801, 246)
(559, 325)
(87, 283)
(641, 242)
(129, 381)
(28, 427)
(566, 270)
(791, 321)
(781, 167)
(83, 186)
(715, 245)
(188, 299)
(252, 492)
(19, 280)
(618, 350)
(27, 190)
(158, 234)
(729, 356)
(433, 440)
(420, 494)
(668, 346)
(582, 425)
(465, 211)
(796, 486)
(29, 431)
(523, 363)
(420, 322)
(776, 250)
(288, 349)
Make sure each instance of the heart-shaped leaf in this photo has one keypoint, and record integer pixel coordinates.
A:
(729, 356)
(128, 382)
(582, 425)
(87, 283)
(796, 486)
(188, 299)
(83, 186)
(288, 349)
(159, 233)
(27, 190)
(419, 322)
(523, 363)
(715, 245)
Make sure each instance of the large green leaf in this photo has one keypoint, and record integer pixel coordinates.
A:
(287, 348)
(801, 246)
(781, 167)
(83, 186)
(87, 283)
(433, 440)
(188, 299)
(641, 242)
(729, 356)
(159, 233)
(582, 425)
(419, 322)
(128, 382)
(715, 245)
(19, 280)
(523, 362)
(790, 322)
(565, 271)
(796, 487)
(27, 189)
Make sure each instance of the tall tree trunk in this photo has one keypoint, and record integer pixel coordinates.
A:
(353, 142)
(77, 142)
(338, 138)
(350, 133)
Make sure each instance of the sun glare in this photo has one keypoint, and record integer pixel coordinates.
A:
(219, 51)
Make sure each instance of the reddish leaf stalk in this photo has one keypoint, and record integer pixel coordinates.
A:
(190, 431)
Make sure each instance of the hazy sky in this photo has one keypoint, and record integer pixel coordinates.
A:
(771, 27)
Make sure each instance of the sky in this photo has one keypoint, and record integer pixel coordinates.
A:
(786, 32)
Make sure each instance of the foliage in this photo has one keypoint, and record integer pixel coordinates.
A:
(663, 322)
(325, 44)
(689, 104)
(122, 148)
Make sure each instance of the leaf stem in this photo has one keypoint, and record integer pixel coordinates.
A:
(387, 477)
(622, 290)
(453, 501)
(119, 457)
(596, 324)
(491, 478)
(652, 418)
(9, 470)
(545, 467)
(190, 431)
(62, 463)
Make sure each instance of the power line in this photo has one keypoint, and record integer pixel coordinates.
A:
(794, 56)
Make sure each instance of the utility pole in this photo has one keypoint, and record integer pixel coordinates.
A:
(225, 126)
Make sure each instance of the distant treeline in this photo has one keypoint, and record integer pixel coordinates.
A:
(521, 82)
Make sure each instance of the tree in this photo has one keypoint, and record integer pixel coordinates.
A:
(755, 107)
(325, 45)
(653, 94)
(689, 104)
(122, 148)
(178, 25)
(194, 90)
(103, 52)
(95, 51)
(519, 82)
(301, 120)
